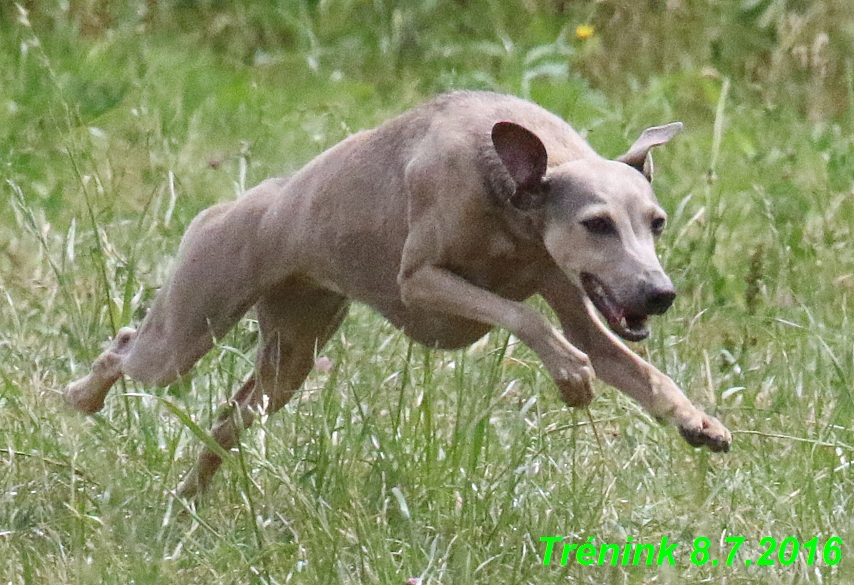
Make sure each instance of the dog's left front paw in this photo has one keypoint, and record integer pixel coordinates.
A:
(706, 431)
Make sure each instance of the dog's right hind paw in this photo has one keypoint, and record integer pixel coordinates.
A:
(189, 488)
(199, 479)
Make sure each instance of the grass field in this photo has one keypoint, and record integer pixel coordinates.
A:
(119, 122)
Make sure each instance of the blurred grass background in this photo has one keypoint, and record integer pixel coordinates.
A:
(120, 121)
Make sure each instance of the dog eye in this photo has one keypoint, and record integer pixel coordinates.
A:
(600, 226)
(657, 226)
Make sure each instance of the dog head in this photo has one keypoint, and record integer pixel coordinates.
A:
(600, 222)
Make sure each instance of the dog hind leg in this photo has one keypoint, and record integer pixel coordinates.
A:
(88, 393)
(296, 321)
(210, 288)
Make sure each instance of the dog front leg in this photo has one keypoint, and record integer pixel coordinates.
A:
(620, 367)
(437, 290)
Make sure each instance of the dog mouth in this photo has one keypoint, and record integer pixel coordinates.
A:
(625, 323)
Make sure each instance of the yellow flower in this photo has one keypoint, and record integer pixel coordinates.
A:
(584, 31)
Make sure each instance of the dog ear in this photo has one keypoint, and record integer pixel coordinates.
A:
(639, 156)
(523, 155)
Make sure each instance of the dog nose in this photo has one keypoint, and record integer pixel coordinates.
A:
(660, 300)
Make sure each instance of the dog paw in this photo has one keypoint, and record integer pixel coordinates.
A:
(570, 369)
(87, 394)
(80, 396)
(706, 431)
(575, 385)
(199, 479)
(189, 489)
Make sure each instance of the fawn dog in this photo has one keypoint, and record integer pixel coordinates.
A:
(443, 219)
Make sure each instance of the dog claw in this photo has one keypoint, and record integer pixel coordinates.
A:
(709, 433)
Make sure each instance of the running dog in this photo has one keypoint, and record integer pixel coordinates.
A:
(444, 220)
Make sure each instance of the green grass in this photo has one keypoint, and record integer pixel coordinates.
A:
(119, 123)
